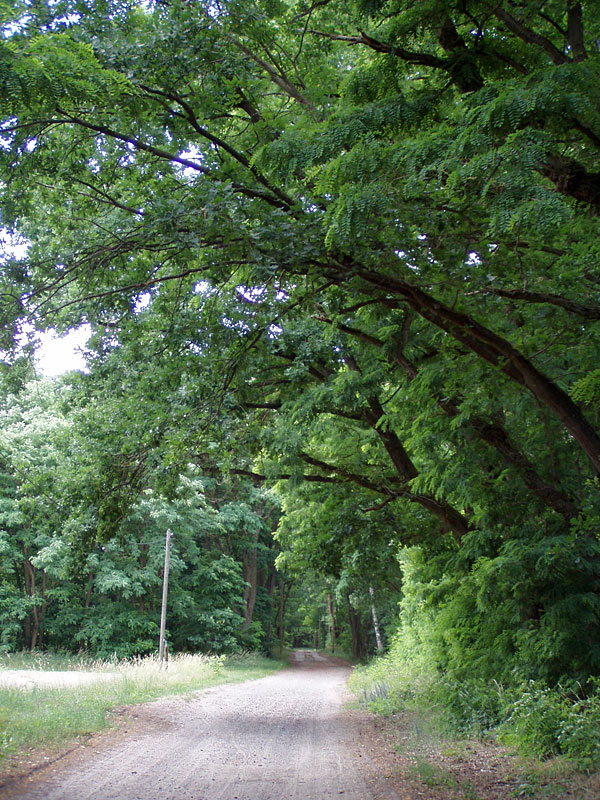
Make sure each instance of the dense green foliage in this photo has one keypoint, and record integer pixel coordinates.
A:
(349, 249)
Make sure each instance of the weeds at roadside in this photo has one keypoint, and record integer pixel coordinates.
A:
(438, 777)
(54, 662)
(438, 763)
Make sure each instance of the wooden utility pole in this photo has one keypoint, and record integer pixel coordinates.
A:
(163, 613)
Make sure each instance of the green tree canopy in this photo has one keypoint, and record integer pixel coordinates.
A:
(344, 243)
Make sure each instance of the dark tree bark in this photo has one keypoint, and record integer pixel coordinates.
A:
(358, 633)
(573, 180)
(271, 581)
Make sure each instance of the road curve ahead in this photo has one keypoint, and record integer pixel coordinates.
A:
(283, 737)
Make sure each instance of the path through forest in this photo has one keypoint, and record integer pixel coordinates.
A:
(283, 736)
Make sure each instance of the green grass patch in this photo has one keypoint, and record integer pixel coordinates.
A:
(437, 777)
(40, 718)
(340, 652)
(433, 775)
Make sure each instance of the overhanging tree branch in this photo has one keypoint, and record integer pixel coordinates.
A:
(279, 78)
(191, 117)
(531, 37)
(165, 155)
(492, 433)
(572, 306)
(496, 351)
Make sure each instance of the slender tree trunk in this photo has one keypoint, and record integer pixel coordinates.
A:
(270, 591)
(43, 609)
(331, 610)
(88, 593)
(34, 624)
(282, 603)
(378, 641)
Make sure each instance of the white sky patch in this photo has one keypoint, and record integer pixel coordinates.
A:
(191, 154)
(203, 287)
(141, 302)
(12, 245)
(254, 294)
(60, 354)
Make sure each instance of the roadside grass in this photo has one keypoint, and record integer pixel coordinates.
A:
(433, 775)
(41, 718)
(54, 662)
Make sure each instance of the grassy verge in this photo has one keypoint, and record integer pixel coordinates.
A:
(537, 720)
(50, 718)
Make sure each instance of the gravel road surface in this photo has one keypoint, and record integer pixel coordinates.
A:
(283, 737)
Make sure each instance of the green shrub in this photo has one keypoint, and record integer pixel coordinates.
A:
(535, 720)
(472, 707)
(549, 721)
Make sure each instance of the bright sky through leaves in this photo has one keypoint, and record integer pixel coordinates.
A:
(60, 354)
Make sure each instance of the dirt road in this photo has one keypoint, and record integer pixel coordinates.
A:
(283, 736)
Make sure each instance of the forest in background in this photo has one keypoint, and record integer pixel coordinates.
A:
(66, 588)
(340, 261)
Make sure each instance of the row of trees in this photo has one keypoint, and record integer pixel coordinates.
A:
(66, 587)
(346, 247)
